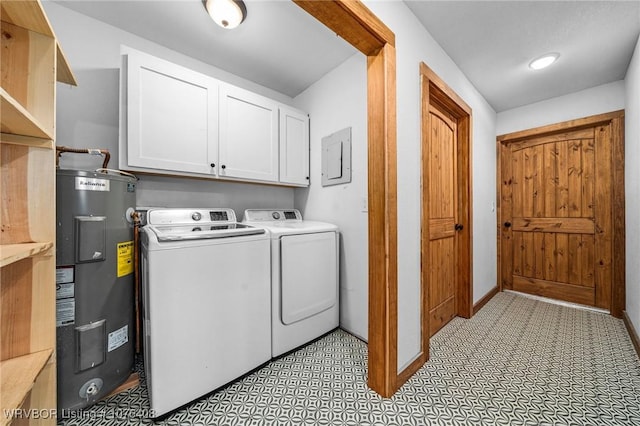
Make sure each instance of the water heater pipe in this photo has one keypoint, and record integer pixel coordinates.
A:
(92, 151)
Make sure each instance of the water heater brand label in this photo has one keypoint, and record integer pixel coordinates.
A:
(91, 184)
(118, 338)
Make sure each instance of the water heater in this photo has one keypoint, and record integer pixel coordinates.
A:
(94, 285)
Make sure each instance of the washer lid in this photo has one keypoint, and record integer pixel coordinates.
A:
(203, 231)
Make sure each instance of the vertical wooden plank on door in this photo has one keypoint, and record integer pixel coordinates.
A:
(574, 207)
(528, 193)
(588, 260)
(517, 252)
(574, 257)
(588, 189)
(562, 203)
(550, 178)
(550, 256)
(574, 164)
(588, 169)
(550, 190)
(539, 192)
(505, 195)
(603, 217)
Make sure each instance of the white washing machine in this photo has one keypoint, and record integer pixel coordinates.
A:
(206, 302)
(304, 277)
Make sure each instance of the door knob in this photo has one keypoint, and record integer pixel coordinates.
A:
(459, 227)
(507, 224)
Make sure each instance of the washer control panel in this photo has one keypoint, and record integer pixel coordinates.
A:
(187, 216)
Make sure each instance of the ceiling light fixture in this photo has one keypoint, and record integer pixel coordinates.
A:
(544, 61)
(226, 13)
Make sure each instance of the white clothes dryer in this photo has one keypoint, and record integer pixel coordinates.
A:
(304, 277)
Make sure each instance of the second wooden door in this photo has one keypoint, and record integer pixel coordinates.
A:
(557, 201)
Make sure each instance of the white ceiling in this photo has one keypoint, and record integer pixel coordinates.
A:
(281, 47)
(493, 42)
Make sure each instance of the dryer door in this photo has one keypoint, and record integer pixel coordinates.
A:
(309, 275)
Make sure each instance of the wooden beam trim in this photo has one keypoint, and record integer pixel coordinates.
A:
(618, 284)
(577, 124)
(352, 21)
(355, 23)
(439, 84)
(382, 223)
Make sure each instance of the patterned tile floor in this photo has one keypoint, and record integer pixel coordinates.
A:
(519, 361)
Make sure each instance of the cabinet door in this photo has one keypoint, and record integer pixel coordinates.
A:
(294, 147)
(172, 115)
(248, 135)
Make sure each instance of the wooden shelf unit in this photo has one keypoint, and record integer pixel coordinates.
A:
(18, 376)
(31, 62)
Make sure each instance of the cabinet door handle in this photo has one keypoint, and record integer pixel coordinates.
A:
(224, 167)
(307, 177)
(213, 165)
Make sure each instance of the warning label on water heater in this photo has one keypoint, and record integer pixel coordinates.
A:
(65, 312)
(118, 338)
(125, 258)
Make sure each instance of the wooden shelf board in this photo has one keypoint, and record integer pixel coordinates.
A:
(17, 376)
(27, 14)
(64, 74)
(10, 253)
(17, 120)
(30, 141)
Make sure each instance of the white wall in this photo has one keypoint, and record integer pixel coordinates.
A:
(632, 186)
(596, 100)
(87, 115)
(336, 101)
(414, 45)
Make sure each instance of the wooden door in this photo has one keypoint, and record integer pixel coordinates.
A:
(557, 230)
(441, 191)
(446, 245)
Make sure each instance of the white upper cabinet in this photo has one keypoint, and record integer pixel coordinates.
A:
(176, 121)
(294, 147)
(172, 116)
(248, 146)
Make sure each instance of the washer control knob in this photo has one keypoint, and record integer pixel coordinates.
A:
(196, 216)
(275, 215)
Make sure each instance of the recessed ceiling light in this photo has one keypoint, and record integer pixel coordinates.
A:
(544, 61)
